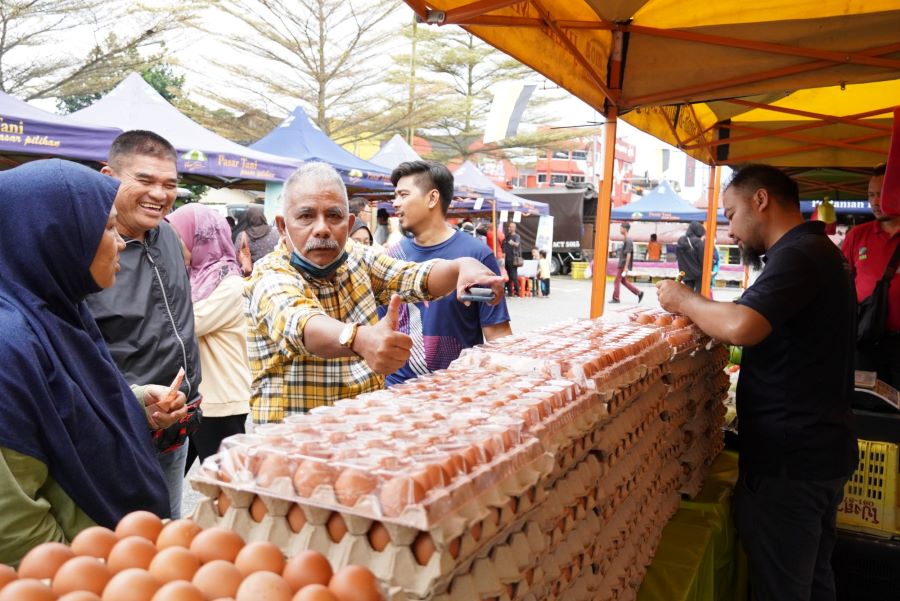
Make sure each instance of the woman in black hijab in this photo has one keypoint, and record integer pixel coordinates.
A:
(253, 229)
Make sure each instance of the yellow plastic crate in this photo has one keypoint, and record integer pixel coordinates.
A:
(871, 494)
(578, 269)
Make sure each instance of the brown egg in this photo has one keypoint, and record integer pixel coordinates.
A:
(217, 543)
(264, 586)
(379, 537)
(305, 568)
(95, 541)
(218, 578)
(475, 531)
(43, 561)
(399, 492)
(273, 466)
(140, 523)
(260, 556)
(7, 574)
(222, 503)
(177, 533)
(355, 583)
(174, 563)
(179, 591)
(132, 584)
(80, 596)
(423, 548)
(315, 592)
(296, 518)
(337, 527)
(27, 589)
(312, 474)
(453, 547)
(352, 484)
(258, 510)
(681, 321)
(81, 574)
(131, 552)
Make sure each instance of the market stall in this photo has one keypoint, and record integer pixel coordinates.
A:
(28, 133)
(794, 85)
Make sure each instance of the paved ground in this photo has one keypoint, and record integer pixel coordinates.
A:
(568, 299)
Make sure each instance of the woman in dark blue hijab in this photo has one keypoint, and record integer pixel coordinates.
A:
(74, 445)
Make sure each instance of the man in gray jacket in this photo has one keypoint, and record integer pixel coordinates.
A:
(147, 317)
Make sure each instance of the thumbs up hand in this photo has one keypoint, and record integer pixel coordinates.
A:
(384, 348)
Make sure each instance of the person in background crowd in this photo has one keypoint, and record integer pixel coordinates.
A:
(315, 336)
(654, 249)
(625, 264)
(868, 248)
(439, 329)
(253, 230)
(481, 232)
(689, 254)
(221, 327)
(492, 233)
(512, 255)
(715, 271)
(360, 232)
(544, 273)
(74, 446)
(359, 206)
(798, 445)
(381, 229)
(395, 232)
(147, 318)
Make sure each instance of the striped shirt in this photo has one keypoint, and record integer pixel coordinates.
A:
(288, 378)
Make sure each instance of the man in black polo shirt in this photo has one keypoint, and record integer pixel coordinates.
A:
(797, 325)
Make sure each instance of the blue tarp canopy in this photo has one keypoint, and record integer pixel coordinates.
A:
(469, 175)
(27, 130)
(299, 138)
(661, 204)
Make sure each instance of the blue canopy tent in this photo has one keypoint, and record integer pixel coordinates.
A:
(469, 175)
(27, 132)
(662, 204)
(299, 138)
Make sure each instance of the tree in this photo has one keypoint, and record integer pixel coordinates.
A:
(323, 54)
(453, 73)
(34, 63)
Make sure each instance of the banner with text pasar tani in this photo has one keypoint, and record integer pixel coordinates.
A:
(890, 189)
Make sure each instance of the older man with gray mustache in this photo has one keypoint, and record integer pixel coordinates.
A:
(314, 332)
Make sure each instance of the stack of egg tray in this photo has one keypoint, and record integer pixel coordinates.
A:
(539, 466)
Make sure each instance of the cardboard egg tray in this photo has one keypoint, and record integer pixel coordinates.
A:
(457, 540)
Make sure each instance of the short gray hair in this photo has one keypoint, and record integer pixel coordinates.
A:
(314, 175)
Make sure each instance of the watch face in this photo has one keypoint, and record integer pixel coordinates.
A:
(346, 333)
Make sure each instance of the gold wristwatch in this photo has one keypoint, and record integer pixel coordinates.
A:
(348, 335)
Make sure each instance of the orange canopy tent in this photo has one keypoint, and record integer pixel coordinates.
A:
(802, 84)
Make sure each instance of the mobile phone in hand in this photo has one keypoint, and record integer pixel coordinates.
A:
(478, 295)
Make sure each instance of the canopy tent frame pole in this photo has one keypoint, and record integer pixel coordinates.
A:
(494, 225)
(604, 214)
(712, 208)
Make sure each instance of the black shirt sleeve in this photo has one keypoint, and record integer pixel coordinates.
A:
(785, 287)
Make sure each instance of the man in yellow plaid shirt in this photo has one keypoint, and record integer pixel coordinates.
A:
(314, 333)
